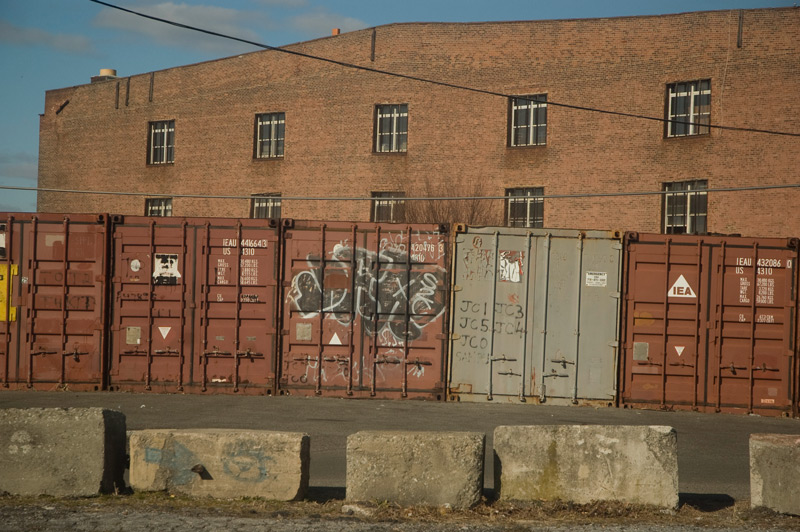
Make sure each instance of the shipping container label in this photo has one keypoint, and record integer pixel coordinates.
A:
(7, 313)
(510, 269)
(165, 269)
(682, 288)
(597, 279)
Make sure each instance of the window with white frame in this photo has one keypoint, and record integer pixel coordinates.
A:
(529, 120)
(525, 207)
(265, 206)
(391, 128)
(158, 207)
(685, 207)
(162, 142)
(688, 108)
(270, 130)
(388, 207)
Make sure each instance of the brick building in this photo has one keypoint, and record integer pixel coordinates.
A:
(278, 126)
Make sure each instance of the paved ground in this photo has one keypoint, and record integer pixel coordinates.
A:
(712, 448)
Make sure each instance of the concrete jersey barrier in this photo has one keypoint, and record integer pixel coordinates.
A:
(775, 472)
(416, 468)
(63, 452)
(221, 463)
(636, 465)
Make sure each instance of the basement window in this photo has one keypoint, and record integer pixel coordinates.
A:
(388, 207)
(685, 207)
(265, 206)
(158, 207)
(525, 207)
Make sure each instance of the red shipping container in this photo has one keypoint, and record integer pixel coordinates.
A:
(364, 309)
(53, 297)
(710, 323)
(194, 305)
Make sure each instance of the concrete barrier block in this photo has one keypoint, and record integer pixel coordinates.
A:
(416, 468)
(775, 472)
(221, 463)
(580, 464)
(63, 452)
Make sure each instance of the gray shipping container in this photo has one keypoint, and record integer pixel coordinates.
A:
(535, 315)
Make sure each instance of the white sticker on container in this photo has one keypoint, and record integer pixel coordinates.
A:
(136, 265)
(599, 279)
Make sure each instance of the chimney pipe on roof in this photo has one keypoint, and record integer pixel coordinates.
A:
(335, 31)
(105, 75)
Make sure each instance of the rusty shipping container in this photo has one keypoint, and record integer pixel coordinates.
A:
(535, 315)
(710, 324)
(364, 309)
(53, 271)
(194, 305)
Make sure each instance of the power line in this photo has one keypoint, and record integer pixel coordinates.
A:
(419, 198)
(435, 82)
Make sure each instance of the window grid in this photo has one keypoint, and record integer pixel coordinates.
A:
(685, 208)
(270, 132)
(162, 142)
(529, 120)
(525, 207)
(265, 206)
(158, 207)
(386, 207)
(391, 128)
(689, 108)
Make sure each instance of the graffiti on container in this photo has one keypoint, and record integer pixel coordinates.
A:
(478, 264)
(165, 269)
(381, 299)
(478, 320)
(46, 302)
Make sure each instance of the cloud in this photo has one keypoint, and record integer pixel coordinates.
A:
(285, 3)
(19, 166)
(218, 19)
(76, 44)
(319, 23)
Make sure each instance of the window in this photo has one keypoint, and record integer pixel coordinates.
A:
(265, 206)
(389, 210)
(688, 108)
(162, 142)
(270, 130)
(529, 120)
(158, 207)
(391, 128)
(685, 207)
(525, 207)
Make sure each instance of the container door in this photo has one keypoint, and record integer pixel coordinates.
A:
(237, 322)
(9, 290)
(665, 356)
(63, 291)
(490, 347)
(151, 342)
(753, 329)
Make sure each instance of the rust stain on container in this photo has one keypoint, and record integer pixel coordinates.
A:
(52, 335)
(194, 305)
(710, 324)
(364, 309)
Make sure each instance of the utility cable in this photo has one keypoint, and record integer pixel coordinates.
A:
(434, 82)
(419, 198)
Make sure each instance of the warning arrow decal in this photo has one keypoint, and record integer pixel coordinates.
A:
(679, 349)
(335, 340)
(164, 331)
(681, 288)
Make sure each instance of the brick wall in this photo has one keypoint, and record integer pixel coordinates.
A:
(457, 140)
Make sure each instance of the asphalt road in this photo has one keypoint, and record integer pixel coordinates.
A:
(713, 455)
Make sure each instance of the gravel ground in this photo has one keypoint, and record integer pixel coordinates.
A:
(165, 513)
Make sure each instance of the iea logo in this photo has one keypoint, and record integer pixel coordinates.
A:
(681, 288)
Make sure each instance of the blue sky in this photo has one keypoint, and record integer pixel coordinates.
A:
(49, 44)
